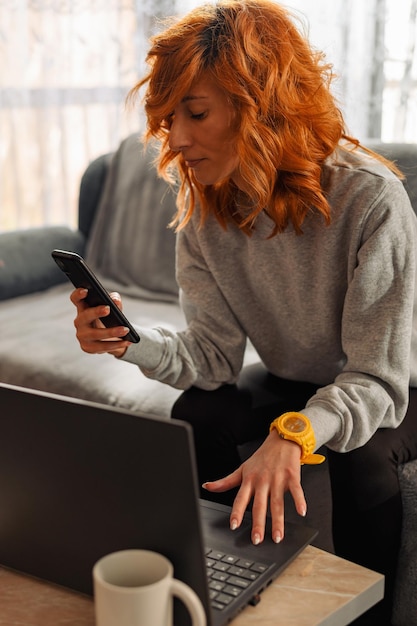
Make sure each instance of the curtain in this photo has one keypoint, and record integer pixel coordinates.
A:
(66, 67)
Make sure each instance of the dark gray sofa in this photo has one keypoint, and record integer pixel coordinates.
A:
(123, 215)
(39, 349)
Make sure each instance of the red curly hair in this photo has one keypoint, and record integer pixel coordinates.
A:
(286, 119)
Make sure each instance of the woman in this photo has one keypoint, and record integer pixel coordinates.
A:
(292, 236)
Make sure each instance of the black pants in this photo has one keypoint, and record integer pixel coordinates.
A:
(366, 499)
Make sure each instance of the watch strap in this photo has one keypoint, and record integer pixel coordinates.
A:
(312, 459)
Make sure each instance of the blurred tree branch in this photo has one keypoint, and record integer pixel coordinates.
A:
(376, 85)
(406, 83)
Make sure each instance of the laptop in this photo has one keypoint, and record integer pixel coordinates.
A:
(79, 480)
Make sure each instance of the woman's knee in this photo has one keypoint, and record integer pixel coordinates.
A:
(368, 474)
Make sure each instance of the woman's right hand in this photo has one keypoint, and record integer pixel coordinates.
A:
(91, 333)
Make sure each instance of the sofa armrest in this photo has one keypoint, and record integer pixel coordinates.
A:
(91, 189)
(405, 156)
(26, 264)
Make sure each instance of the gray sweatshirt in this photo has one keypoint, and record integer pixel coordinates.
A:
(333, 306)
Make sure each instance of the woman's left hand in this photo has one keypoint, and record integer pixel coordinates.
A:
(271, 471)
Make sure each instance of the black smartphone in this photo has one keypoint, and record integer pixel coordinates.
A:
(78, 272)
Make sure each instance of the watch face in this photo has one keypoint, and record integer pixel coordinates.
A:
(295, 424)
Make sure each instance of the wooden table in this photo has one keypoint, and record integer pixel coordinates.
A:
(317, 588)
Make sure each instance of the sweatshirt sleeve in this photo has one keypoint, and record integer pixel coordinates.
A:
(376, 327)
(210, 351)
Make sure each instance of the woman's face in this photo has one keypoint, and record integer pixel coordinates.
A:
(201, 130)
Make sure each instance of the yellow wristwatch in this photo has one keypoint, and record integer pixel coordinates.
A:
(297, 427)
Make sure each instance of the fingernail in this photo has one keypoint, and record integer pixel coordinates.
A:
(256, 539)
(303, 512)
(277, 538)
(204, 485)
(233, 524)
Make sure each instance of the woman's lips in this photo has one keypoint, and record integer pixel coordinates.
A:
(192, 163)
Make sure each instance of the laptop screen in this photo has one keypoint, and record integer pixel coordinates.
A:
(79, 480)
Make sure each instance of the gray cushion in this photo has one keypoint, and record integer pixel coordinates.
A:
(40, 350)
(26, 265)
(130, 245)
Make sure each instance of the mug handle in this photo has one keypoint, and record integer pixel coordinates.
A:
(191, 601)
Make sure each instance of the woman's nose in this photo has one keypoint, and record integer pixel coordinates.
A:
(179, 137)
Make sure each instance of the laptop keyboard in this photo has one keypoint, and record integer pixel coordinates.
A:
(228, 576)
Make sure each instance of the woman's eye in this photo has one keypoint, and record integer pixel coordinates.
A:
(198, 116)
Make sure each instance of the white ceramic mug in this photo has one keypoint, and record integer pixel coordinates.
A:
(136, 588)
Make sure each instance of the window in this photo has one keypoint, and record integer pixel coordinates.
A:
(67, 65)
